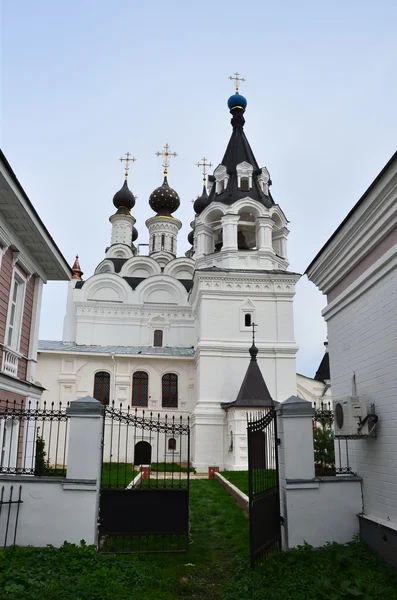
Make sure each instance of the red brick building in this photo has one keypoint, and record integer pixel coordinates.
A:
(29, 257)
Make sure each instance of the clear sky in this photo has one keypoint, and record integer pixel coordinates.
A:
(84, 81)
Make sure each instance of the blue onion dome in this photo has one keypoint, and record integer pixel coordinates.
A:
(201, 202)
(164, 200)
(237, 101)
(134, 234)
(124, 198)
(190, 237)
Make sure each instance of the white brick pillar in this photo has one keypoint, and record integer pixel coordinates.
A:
(83, 475)
(296, 459)
(85, 439)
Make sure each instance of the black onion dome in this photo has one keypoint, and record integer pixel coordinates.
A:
(201, 202)
(124, 198)
(190, 237)
(164, 200)
(134, 234)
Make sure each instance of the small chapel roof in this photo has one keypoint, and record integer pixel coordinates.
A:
(253, 392)
(58, 346)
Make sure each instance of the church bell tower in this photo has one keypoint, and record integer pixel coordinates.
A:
(241, 277)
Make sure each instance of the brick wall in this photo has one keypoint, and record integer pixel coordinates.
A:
(363, 339)
(26, 327)
(5, 284)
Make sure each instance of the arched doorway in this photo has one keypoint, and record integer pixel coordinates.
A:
(142, 453)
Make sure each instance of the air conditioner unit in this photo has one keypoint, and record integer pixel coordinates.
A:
(350, 417)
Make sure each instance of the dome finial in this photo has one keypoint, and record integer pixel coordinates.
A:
(128, 158)
(253, 349)
(76, 269)
(235, 77)
(166, 154)
(204, 164)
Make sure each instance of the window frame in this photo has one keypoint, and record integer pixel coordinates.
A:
(110, 387)
(17, 314)
(135, 374)
(157, 331)
(166, 391)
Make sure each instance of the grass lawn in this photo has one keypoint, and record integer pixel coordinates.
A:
(240, 479)
(215, 568)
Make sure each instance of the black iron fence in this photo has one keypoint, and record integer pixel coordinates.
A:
(263, 485)
(144, 500)
(33, 438)
(331, 455)
(10, 501)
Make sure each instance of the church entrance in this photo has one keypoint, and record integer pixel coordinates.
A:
(144, 505)
(142, 454)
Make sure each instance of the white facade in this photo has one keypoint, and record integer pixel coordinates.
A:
(190, 317)
(357, 269)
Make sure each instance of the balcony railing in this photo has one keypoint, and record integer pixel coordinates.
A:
(9, 363)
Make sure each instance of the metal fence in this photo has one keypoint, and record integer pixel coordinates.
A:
(33, 439)
(331, 455)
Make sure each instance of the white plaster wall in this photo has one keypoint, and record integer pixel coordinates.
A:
(362, 340)
(322, 512)
(52, 512)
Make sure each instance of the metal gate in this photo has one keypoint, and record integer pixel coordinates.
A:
(144, 498)
(263, 483)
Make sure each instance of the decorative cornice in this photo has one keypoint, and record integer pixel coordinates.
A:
(366, 226)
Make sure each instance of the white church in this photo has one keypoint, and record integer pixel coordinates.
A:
(172, 334)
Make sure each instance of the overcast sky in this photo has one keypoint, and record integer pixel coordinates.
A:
(85, 81)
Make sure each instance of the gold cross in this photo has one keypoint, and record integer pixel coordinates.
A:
(166, 155)
(128, 158)
(204, 164)
(235, 77)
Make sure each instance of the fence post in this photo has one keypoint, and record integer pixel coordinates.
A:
(85, 439)
(296, 455)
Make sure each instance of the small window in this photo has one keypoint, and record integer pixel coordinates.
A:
(158, 338)
(102, 387)
(244, 183)
(247, 320)
(169, 390)
(172, 444)
(140, 389)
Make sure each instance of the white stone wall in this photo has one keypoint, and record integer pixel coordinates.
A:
(362, 333)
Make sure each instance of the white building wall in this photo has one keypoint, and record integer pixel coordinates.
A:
(362, 338)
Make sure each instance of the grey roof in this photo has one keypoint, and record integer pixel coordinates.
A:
(56, 346)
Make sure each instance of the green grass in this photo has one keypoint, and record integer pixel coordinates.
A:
(117, 474)
(240, 479)
(215, 568)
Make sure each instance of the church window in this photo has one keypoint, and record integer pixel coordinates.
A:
(172, 444)
(140, 388)
(247, 320)
(169, 390)
(158, 338)
(102, 387)
(162, 241)
(244, 183)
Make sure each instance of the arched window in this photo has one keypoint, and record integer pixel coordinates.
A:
(247, 320)
(102, 387)
(169, 390)
(140, 389)
(158, 338)
(172, 444)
